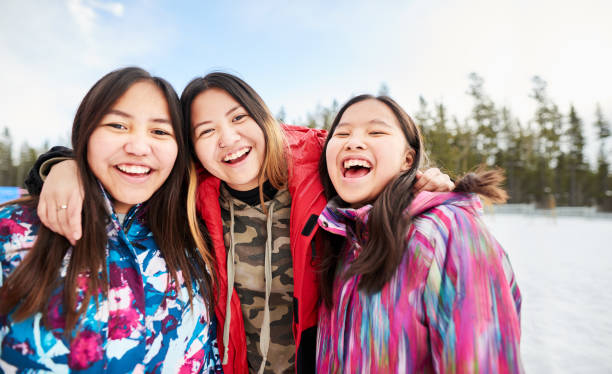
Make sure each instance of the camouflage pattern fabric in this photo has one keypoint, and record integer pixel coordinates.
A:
(250, 235)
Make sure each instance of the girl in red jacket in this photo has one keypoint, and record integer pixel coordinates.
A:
(259, 196)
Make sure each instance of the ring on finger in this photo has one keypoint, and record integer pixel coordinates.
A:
(63, 207)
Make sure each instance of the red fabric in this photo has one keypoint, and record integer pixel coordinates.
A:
(307, 198)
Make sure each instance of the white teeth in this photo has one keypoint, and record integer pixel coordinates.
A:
(134, 169)
(238, 153)
(356, 162)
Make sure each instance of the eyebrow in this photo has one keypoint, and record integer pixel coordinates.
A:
(209, 121)
(375, 121)
(129, 116)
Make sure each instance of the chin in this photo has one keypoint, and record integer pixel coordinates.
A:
(351, 200)
(135, 199)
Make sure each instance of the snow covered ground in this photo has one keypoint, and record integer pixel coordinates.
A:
(564, 270)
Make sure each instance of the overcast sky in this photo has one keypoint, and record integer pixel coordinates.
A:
(300, 54)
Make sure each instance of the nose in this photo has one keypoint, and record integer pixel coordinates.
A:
(228, 136)
(355, 141)
(137, 145)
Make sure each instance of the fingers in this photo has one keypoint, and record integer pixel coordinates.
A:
(52, 220)
(420, 182)
(69, 218)
(41, 210)
(62, 221)
(433, 180)
(428, 185)
(61, 201)
(426, 181)
(73, 214)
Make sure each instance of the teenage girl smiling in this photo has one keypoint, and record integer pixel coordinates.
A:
(411, 283)
(133, 294)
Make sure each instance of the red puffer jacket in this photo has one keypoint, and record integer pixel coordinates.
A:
(307, 202)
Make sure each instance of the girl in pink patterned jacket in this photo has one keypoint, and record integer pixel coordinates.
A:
(410, 284)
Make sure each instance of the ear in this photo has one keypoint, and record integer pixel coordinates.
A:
(408, 159)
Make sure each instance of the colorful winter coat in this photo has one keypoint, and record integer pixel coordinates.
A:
(144, 325)
(452, 306)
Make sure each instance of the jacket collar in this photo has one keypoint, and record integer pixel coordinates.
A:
(114, 224)
(336, 218)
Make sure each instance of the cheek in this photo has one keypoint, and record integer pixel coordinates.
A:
(98, 149)
(204, 151)
(169, 153)
(392, 154)
(330, 157)
(256, 133)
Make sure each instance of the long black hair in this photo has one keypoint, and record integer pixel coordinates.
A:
(383, 251)
(29, 287)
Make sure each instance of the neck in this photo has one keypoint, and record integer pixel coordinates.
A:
(251, 196)
(122, 208)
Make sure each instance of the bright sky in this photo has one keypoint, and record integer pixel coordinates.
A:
(300, 54)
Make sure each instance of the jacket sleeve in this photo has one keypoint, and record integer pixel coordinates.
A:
(471, 300)
(34, 180)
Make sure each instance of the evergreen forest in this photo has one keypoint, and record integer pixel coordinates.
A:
(543, 157)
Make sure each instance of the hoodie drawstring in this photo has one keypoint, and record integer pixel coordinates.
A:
(230, 285)
(264, 335)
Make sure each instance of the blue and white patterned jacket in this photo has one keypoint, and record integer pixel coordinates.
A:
(144, 325)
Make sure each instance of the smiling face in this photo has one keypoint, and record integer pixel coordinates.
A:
(366, 151)
(228, 142)
(133, 149)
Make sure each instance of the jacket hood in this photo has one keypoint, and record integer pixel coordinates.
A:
(425, 201)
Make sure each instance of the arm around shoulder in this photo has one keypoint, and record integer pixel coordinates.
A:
(34, 180)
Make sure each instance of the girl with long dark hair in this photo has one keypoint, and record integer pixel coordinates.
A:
(133, 294)
(410, 283)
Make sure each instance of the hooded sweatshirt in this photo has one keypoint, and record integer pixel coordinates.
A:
(452, 305)
(263, 275)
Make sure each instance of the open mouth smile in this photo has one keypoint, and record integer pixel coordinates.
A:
(133, 170)
(237, 156)
(355, 168)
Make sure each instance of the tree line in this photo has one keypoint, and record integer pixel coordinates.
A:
(14, 168)
(544, 157)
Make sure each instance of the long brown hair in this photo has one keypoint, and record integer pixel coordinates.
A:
(274, 167)
(382, 253)
(29, 287)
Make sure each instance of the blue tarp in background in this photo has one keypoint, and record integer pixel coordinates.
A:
(9, 193)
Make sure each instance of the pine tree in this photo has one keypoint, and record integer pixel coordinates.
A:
(27, 158)
(484, 119)
(602, 126)
(423, 116)
(549, 130)
(509, 154)
(439, 140)
(281, 115)
(323, 117)
(463, 143)
(383, 90)
(576, 165)
(7, 169)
